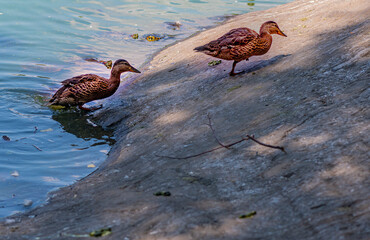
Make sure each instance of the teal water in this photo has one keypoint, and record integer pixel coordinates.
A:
(44, 42)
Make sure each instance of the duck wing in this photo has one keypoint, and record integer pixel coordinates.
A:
(230, 44)
(80, 79)
(80, 89)
(238, 36)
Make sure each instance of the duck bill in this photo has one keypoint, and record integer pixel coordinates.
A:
(281, 33)
(132, 69)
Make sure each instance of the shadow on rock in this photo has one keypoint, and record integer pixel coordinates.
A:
(257, 65)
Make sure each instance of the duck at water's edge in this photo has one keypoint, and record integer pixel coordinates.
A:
(241, 43)
(85, 88)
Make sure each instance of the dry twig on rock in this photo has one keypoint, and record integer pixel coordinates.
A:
(264, 144)
(213, 131)
(248, 137)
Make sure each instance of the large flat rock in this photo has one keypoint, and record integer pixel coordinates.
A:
(309, 93)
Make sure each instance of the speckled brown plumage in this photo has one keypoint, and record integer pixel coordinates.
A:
(85, 88)
(242, 43)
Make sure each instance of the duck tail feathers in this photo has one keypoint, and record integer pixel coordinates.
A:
(200, 49)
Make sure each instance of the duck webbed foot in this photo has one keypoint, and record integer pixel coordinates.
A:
(234, 73)
(89, 109)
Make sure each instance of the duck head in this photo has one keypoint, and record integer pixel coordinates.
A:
(121, 65)
(272, 28)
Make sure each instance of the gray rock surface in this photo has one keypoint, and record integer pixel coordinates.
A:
(309, 93)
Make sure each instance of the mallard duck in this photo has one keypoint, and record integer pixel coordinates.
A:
(242, 43)
(85, 88)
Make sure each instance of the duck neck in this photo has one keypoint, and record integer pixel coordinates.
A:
(264, 30)
(115, 76)
(264, 33)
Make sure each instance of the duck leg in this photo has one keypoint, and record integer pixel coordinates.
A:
(89, 109)
(232, 73)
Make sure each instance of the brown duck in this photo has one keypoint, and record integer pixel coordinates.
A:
(85, 88)
(241, 43)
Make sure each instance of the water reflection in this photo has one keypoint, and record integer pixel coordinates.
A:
(79, 124)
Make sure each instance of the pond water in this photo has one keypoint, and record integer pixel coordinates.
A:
(44, 42)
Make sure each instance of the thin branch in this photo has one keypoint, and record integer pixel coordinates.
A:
(264, 144)
(214, 132)
(202, 153)
(37, 147)
(191, 156)
(248, 137)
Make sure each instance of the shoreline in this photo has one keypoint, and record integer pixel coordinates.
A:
(308, 93)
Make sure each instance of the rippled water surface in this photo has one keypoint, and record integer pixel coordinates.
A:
(44, 42)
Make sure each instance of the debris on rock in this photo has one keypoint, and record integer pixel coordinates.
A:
(165, 194)
(214, 63)
(101, 233)
(248, 215)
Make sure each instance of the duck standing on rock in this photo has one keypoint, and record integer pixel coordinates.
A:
(241, 43)
(85, 88)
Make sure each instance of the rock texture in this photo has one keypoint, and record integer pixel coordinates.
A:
(309, 93)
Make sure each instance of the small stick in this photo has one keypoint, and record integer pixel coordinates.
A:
(248, 137)
(214, 132)
(202, 153)
(264, 144)
(234, 143)
(227, 147)
(37, 147)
